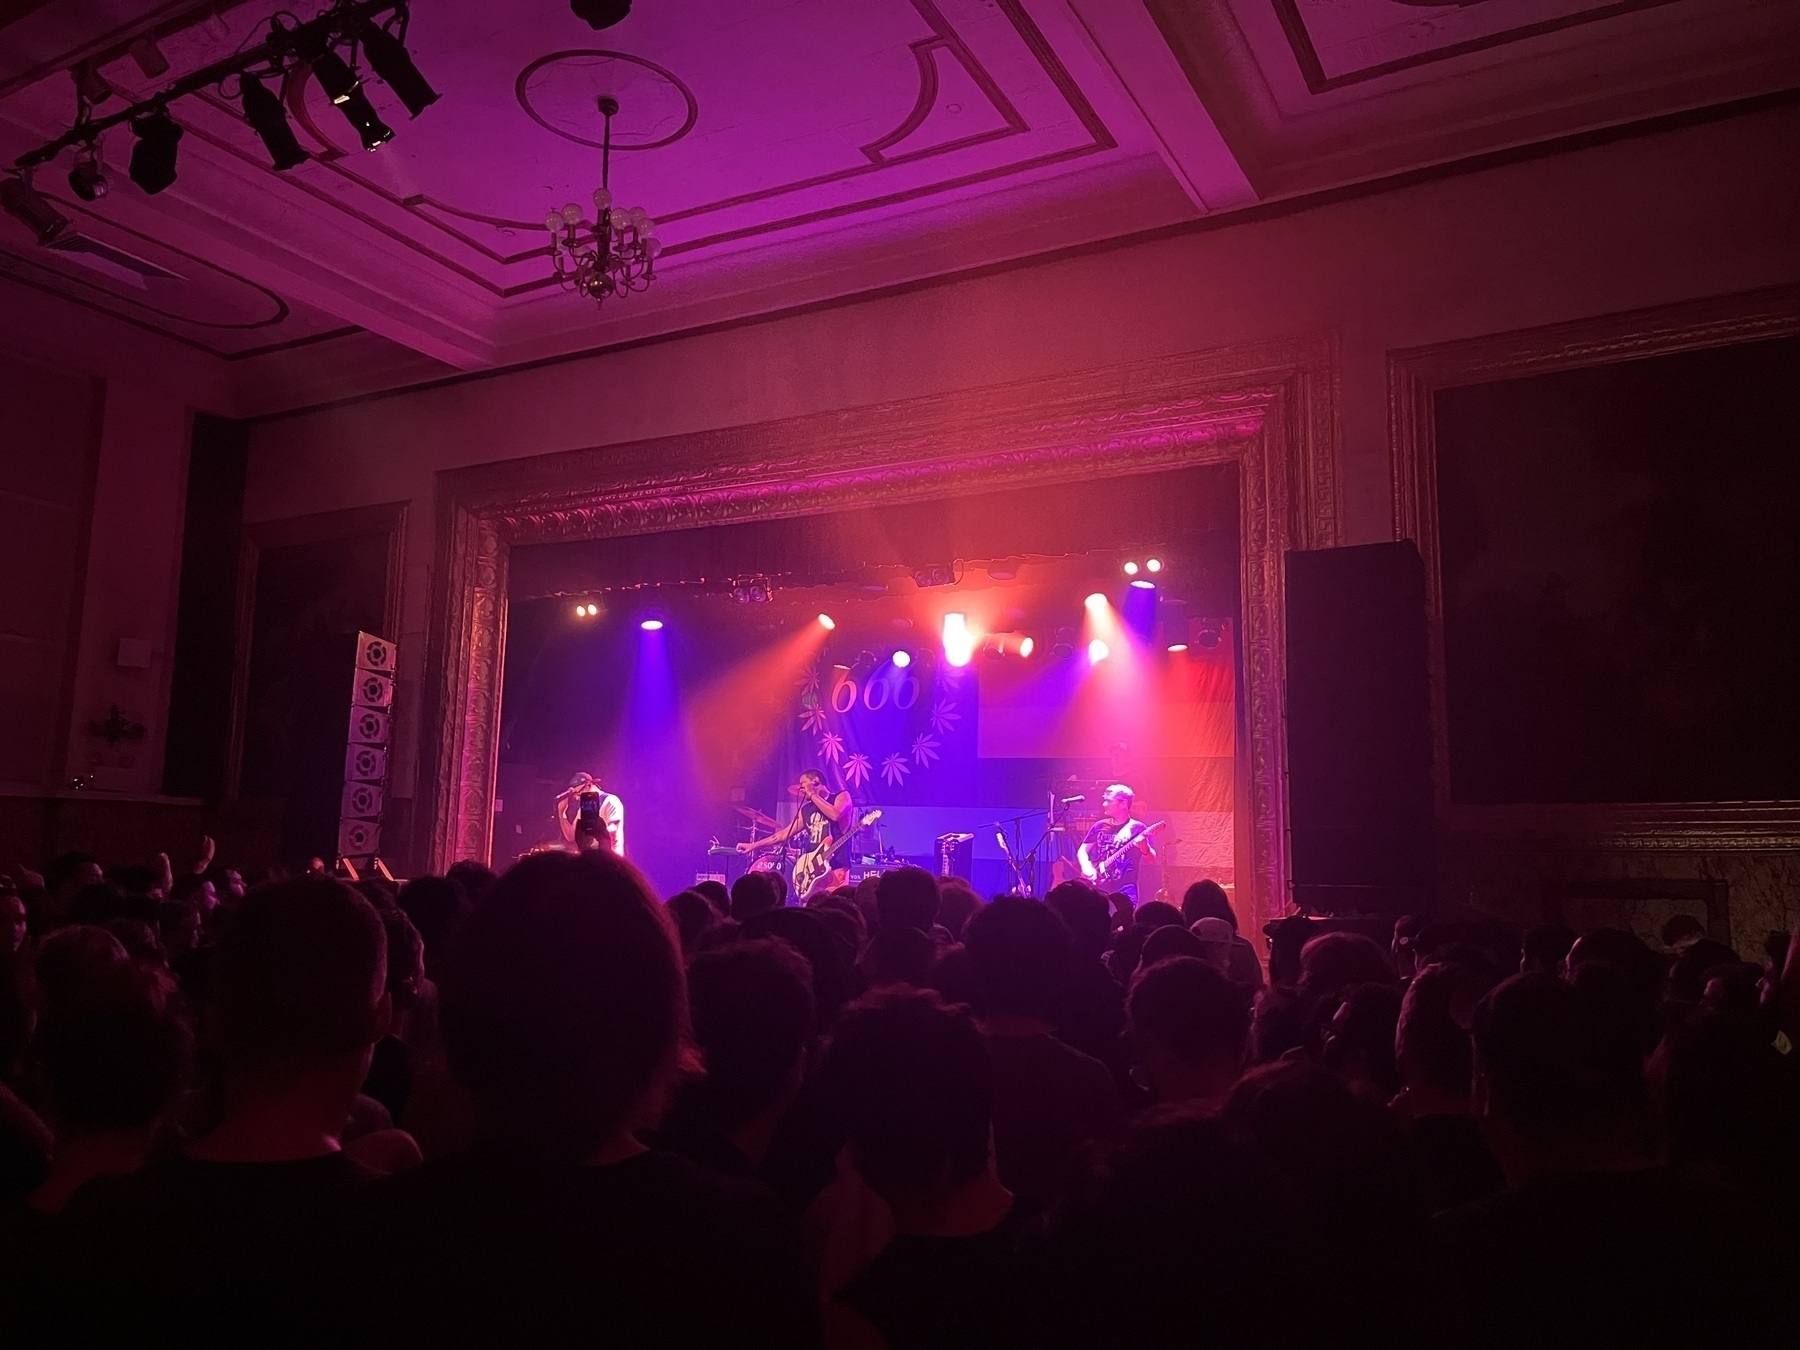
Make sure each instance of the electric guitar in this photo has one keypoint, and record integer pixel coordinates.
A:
(1112, 862)
(813, 866)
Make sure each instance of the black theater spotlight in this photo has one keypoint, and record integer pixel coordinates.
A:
(343, 87)
(87, 180)
(934, 574)
(153, 157)
(389, 59)
(25, 204)
(361, 114)
(334, 75)
(598, 14)
(263, 111)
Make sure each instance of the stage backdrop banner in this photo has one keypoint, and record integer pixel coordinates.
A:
(940, 749)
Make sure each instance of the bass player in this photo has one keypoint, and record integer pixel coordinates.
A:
(820, 821)
(1115, 826)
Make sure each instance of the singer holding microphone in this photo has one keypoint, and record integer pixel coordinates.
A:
(591, 818)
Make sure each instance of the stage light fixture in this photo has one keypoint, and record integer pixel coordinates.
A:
(1026, 646)
(90, 84)
(1095, 602)
(87, 180)
(1178, 646)
(334, 75)
(827, 622)
(153, 157)
(1098, 651)
(389, 59)
(148, 54)
(902, 659)
(935, 574)
(959, 643)
(1208, 636)
(599, 14)
(266, 116)
(1153, 565)
(361, 114)
(1143, 584)
(1064, 644)
(752, 590)
(25, 204)
(651, 625)
(1131, 569)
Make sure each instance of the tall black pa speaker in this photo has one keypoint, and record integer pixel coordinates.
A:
(1360, 817)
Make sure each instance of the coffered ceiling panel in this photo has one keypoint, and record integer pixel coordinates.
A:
(791, 151)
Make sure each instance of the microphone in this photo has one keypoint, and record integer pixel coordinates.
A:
(1000, 838)
(1070, 801)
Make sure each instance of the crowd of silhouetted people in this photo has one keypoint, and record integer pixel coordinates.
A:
(547, 1109)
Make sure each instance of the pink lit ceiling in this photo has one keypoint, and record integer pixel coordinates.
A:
(793, 151)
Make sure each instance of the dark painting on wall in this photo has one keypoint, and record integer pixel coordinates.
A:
(1620, 555)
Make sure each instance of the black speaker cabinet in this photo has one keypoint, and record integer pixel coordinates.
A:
(1360, 814)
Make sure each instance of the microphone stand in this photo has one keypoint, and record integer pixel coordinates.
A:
(1023, 874)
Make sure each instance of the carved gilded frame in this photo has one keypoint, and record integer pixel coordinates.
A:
(1270, 406)
(1414, 377)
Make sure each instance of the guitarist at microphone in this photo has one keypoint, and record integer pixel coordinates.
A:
(1115, 826)
(820, 820)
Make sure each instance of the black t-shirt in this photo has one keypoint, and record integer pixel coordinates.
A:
(1102, 838)
(818, 828)
(940, 1293)
(193, 1253)
(488, 1249)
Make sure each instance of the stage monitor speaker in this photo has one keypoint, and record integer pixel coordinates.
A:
(1360, 811)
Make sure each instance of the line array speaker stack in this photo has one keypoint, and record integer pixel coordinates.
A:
(366, 750)
(1360, 809)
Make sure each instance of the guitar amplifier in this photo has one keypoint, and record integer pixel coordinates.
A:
(955, 853)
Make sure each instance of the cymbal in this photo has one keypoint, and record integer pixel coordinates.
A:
(757, 816)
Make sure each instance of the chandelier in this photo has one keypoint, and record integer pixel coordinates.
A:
(613, 254)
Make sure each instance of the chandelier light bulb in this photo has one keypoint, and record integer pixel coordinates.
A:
(602, 198)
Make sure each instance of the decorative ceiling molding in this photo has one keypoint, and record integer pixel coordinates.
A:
(1306, 54)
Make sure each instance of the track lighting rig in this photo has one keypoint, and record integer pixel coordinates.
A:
(371, 32)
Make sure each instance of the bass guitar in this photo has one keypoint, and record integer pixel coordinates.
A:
(813, 866)
(1112, 862)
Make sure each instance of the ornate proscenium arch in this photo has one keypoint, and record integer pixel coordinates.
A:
(1268, 406)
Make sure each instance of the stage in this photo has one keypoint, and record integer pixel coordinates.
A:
(978, 672)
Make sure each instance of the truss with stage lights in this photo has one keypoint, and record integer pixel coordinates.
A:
(331, 46)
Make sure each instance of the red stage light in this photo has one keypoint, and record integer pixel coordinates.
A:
(827, 622)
